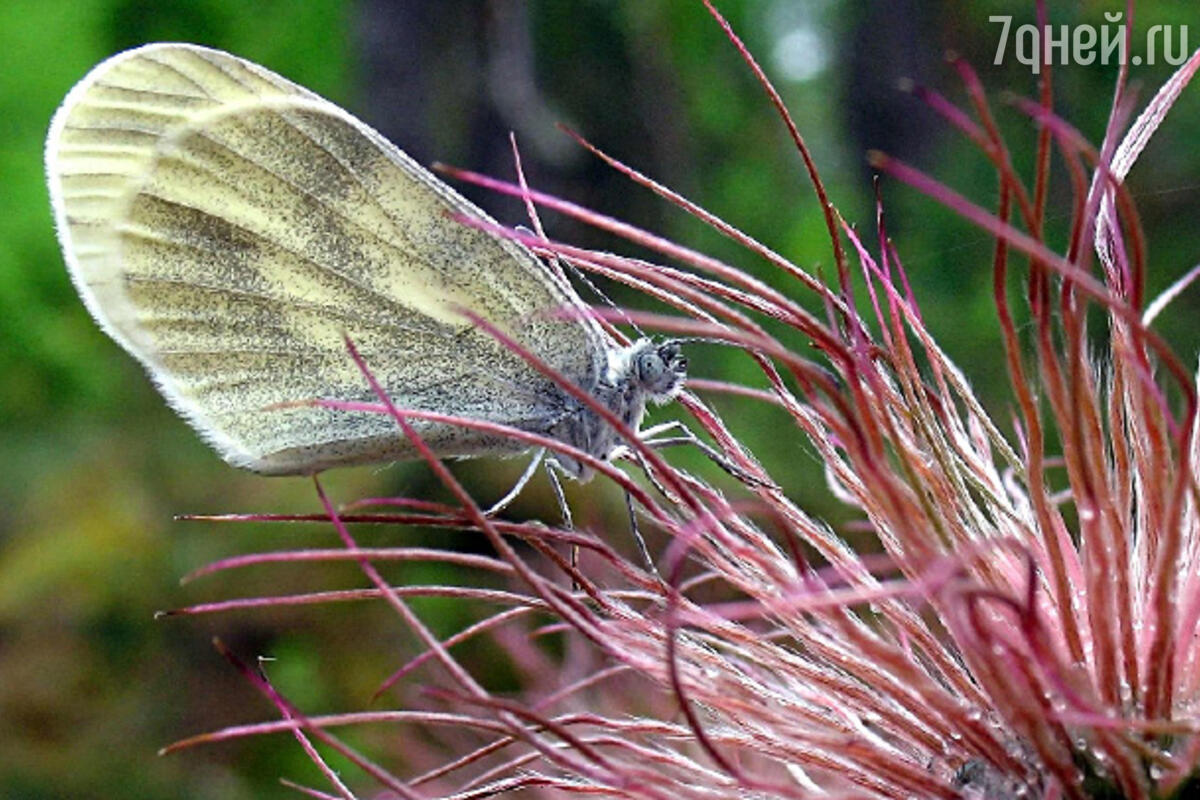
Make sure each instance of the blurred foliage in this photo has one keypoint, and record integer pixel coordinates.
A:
(93, 466)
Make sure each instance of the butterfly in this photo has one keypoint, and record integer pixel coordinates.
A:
(231, 229)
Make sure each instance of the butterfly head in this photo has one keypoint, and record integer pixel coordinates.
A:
(659, 369)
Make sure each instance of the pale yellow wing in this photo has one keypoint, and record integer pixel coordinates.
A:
(227, 227)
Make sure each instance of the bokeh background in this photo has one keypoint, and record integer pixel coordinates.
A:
(93, 466)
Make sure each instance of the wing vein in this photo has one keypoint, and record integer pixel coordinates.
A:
(141, 232)
(332, 311)
(186, 78)
(401, 247)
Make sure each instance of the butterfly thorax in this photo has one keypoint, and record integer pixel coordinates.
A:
(644, 371)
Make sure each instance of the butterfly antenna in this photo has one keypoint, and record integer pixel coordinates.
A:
(604, 298)
(531, 208)
(706, 340)
(556, 263)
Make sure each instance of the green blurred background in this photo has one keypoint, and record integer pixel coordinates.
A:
(93, 466)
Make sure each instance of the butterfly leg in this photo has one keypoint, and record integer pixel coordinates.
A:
(559, 494)
(633, 455)
(637, 536)
(520, 485)
(683, 435)
(564, 510)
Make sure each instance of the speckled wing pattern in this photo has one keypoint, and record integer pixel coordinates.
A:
(227, 227)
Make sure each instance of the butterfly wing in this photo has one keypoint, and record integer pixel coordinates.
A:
(228, 228)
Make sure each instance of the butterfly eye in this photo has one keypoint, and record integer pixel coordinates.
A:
(650, 367)
(660, 371)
